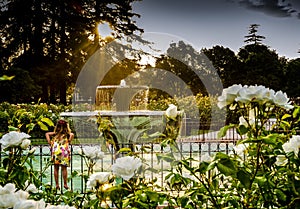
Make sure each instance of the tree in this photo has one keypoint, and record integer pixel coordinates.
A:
(21, 88)
(226, 63)
(53, 39)
(260, 65)
(253, 37)
(192, 67)
(293, 78)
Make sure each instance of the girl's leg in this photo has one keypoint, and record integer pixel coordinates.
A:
(65, 176)
(56, 169)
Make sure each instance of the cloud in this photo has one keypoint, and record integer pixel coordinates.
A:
(276, 8)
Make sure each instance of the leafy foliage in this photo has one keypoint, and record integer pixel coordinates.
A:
(34, 119)
(52, 40)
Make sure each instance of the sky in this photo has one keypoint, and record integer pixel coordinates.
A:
(207, 23)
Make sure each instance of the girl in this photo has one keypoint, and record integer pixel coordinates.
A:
(59, 141)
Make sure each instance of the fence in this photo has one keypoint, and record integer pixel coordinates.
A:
(147, 151)
(193, 147)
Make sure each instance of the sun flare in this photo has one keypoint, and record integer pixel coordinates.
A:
(104, 30)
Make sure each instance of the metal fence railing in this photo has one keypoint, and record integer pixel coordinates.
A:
(190, 149)
(192, 146)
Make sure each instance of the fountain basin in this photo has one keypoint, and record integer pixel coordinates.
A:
(108, 113)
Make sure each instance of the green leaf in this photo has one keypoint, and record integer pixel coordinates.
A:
(48, 121)
(203, 167)
(261, 180)
(42, 126)
(125, 149)
(280, 194)
(30, 126)
(153, 196)
(270, 139)
(156, 134)
(296, 112)
(12, 128)
(285, 116)
(225, 164)
(221, 155)
(166, 157)
(211, 166)
(6, 78)
(224, 129)
(244, 178)
(226, 167)
(242, 130)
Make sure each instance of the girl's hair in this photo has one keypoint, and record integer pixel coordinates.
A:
(62, 127)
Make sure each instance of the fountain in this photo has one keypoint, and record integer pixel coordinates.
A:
(121, 97)
(115, 102)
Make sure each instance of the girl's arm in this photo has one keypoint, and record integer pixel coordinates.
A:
(48, 136)
(71, 137)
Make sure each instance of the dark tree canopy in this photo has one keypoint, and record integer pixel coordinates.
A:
(192, 67)
(226, 63)
(293, 78)
(53, 39)
(261, 66)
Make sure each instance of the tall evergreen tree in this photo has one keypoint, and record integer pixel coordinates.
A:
(260, 65)
(253, 37)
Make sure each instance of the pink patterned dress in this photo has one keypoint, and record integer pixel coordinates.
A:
(60, 151)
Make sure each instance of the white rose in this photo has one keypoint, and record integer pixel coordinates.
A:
(222, 101)
(7, 189)
(264, 95)
(93, 152)
(32, 188)
(246, 95)
(98, 178)
(30, 204)
(60, 207)
(25, 143)
(21, 195)
(229, 95)
(7, 200)
(282, 100)
(125, 167)
(13, 138)
(292, 145)
(90, 152)
(288, 147)
(51, 207)
(171, 112)
(281, 160)
(100, 154)
(240, 150)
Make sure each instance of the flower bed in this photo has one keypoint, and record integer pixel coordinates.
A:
(261, 171)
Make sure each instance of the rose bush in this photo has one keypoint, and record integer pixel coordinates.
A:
(17, 167)
(261, 171)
